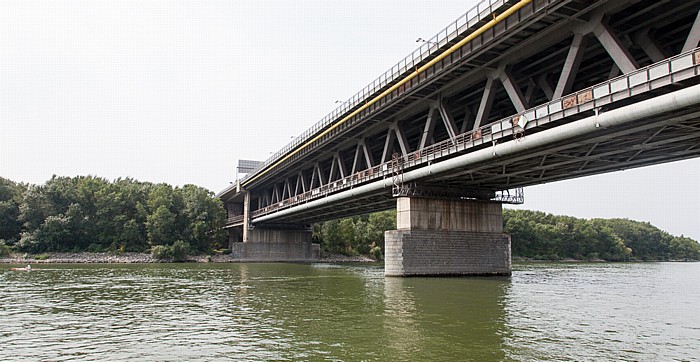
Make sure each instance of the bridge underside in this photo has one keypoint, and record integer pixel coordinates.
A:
(518, 85)
(666, 137)
(550, 54)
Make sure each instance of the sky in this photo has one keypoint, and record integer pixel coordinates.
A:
(179, 91)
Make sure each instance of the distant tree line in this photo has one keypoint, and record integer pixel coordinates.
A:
(93, 214)
(534, 235)
(355, 235)
(539, 235)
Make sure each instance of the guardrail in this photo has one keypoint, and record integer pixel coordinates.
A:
(480, 12)
(238, 219)
(663, 73)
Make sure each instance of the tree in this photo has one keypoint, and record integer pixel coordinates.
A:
(10, 200)
(362, 234)
(203, 217)
(545, 236)
(91, 213)
(682, 248)
(10, 226)
(160, 226)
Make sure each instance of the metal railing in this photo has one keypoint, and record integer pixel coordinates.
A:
(665, 72)
(237, 219)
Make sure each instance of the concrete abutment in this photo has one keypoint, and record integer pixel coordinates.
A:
(441, 237)
(276, 245)
(266, 243)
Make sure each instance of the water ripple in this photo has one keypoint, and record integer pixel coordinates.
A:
(348, 312)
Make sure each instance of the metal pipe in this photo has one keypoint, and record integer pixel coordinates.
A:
(452, 49)
(652, 107)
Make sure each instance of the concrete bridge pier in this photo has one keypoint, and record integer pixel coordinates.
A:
(447, 237)
(277, 244)
(268, 242)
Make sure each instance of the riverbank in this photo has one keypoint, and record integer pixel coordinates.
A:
(141, 258)
(132, 258)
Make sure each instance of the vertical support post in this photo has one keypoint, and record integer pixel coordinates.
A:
(246, 216)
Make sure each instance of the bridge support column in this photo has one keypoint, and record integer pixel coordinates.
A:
(246, 216)
(287, 244)
(437, 237)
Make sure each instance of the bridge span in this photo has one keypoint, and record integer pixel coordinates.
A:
(512, 94)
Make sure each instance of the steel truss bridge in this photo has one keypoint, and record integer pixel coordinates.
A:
(512, 94)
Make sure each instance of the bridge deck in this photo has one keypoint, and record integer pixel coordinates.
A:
(579, 160)
(550, 63)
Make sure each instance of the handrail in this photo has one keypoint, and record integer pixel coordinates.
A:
(355, 100)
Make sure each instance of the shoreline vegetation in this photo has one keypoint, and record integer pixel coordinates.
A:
(92, 219)
(147, 258)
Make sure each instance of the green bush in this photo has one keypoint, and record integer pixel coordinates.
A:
(376, 252)
(161, 252)
(179, 250)
(41, 256)
(5, 250)
(176, 252)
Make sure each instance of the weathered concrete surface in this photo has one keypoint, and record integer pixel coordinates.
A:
(446, 252)
(276, 245)
(438, 214)
(447, 237)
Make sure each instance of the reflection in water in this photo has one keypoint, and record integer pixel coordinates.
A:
(347, 313)
(445, 318)
(402, 335)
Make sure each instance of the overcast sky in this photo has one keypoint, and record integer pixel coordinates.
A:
(178, 91)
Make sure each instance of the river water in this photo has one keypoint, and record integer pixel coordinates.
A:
(207, 312)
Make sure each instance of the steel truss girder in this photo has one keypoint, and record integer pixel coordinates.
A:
(610, 5)
(615, 48)
(362, 151)
(447, 119)
(398, 133)
(428, 130)
(588, 149)
(571, 65)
